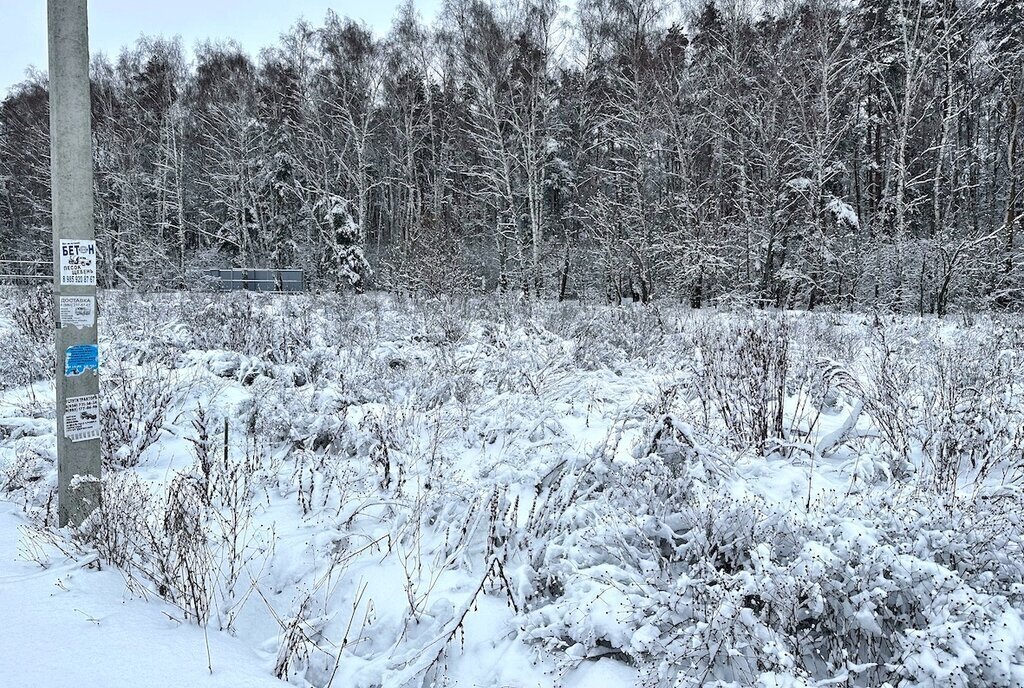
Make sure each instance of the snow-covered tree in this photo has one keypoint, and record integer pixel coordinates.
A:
(351, 264)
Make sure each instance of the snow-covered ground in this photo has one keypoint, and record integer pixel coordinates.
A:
(68, 624)
(373, 491)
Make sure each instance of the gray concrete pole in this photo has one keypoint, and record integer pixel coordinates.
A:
(74, 262)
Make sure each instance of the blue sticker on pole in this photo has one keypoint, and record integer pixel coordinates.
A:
(80, 358)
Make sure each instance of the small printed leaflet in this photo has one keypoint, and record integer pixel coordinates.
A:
(82, 418)
(80, 358)
(78, 262)
(77, 311)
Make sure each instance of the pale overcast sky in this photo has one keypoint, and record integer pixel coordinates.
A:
(114, 23)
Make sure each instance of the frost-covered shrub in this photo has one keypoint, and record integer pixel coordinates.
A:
(698, 581)
(34, 317)
(835, 336)
(314, 419)
(379, 444)
(29, 458)
(674, 565)
(947, 409)
(436, 268)
(162, 543)
(24, 362)
(237, 322)
(741, 375)
(247, 323)
(608, 337)
(972, 421)
(28, 476)
(119, 530)
(19, 472)
(821, 345)
(445, 320)
(890, 394)
(133, 408)
(190, 543)
(29, 348)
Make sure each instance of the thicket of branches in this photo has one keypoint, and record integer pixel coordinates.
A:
(815, 153)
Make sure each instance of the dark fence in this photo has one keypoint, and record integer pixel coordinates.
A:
(25, 271)
(246, 279)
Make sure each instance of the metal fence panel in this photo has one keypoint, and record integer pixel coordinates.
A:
(249, 279)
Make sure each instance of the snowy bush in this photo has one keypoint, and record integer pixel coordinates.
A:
(133, 408)
(191, 543)
(29, 344)
(34, 317)
(742, 374)
(698, 580)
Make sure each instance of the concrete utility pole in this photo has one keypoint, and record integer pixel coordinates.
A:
(74, 263)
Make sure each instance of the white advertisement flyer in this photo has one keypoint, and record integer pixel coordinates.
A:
(78, 262)
(82, 418)
(77, 311)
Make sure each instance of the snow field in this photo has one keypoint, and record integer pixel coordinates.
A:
(375, 491)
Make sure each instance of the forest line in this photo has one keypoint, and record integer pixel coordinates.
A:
(814, 154)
